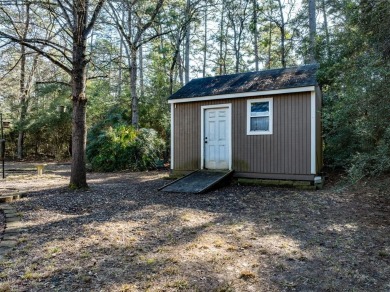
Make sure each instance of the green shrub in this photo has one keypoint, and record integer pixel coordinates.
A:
(114, 145)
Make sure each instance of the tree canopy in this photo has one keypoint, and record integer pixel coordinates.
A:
(131, 55)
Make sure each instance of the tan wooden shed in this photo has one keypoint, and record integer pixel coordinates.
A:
(264, 124)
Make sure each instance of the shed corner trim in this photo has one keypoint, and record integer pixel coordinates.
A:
(313, 132)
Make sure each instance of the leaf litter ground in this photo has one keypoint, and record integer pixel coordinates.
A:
(124, 235)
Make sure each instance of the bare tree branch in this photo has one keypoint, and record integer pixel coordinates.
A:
(54, 82)
(65, 12)
(11, 69)
(95, 14)
(36, 49)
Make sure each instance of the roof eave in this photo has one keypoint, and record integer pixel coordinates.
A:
(244, 94)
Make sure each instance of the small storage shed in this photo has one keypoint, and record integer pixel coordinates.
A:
(264, 124)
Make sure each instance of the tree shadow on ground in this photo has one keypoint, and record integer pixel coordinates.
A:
(123, 233)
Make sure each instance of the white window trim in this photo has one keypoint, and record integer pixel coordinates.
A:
(202, 125)
(248, 116)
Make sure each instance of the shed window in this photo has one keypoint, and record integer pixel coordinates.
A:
(259, 116)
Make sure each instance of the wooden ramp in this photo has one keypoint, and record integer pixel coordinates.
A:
(198, 181)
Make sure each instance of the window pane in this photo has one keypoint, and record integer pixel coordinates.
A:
(260, 124)
(259, 109)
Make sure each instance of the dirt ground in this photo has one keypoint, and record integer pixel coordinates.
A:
(124, 235)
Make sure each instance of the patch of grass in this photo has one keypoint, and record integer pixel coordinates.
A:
(218, 243)
(206, 225)
(232, 248)
(263, 251)
(247, 245)
(126, 288)
(5, 287)
(191, 246)
(22, 239)
(86, 279)
(85, 254)
(383, 254)
(54, 250)
(247, 275)
(29, 275)
(171, 271)
(179, 284)
(3, 275)
(280, 267)
(150, 261)
(224, 288)
(172, 260)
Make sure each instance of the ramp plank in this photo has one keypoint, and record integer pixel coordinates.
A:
(197, 182)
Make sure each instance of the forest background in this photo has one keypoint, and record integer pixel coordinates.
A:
(131, 55)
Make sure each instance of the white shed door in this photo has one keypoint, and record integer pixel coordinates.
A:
(216, 138)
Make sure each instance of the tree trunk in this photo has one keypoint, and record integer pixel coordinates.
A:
(269, 45)
(221, 39)
(180, 65)
(205, 41)
(133, 87)
(187, 45)
(23, 102)
(328, 50)
(22, 87)
(236, 50)
(312, 29)
(282, 27)
(282, 47)
(141, 71)
(119, 92)
(78, 177)
(255, 35)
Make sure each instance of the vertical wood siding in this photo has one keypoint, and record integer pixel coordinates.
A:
(286, 151)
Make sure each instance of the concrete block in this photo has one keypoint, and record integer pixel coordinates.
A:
(12, 220)
(11, 231)
(305, 187)
(302, 183)
(14, 224)
(8, 243)
(248, 181)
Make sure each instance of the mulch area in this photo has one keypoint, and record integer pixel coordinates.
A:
(123, 235)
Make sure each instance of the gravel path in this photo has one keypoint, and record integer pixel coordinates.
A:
(123, 235)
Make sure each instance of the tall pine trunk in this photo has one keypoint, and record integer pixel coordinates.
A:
(187, 45)
(312, 28)
(328, 50)
(205, 42)
(269, 45)
(282, 28)
(23, 102)
(133, 87)
(221, 27)
(22, 87)
(255, 35)
(78, 177)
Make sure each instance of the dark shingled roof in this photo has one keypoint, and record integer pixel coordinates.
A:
(249, 82)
